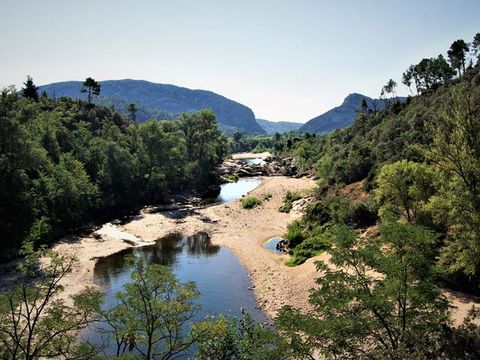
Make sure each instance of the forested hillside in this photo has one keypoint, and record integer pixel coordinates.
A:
(162, 102)
(272, 127)
(418, 161)
(63, 162)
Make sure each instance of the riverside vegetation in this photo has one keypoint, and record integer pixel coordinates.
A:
(415, 171)
(65, 162)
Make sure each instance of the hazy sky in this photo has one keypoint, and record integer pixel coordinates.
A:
(287, 60)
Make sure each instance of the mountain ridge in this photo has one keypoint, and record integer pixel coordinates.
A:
(163, 101)
(343, 115)
(272, 127)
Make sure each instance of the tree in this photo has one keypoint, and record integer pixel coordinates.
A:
(91, 87)
(376, 299)
(403, 188)
(34, 323)
(457, 54)
(475, 46)
(442, 71)
(455, 152)
(364, 107)
(389, 88)
(392, 85)
(237, 136)
(238, 338)
(132, 109)
(152, 312)
(30, 91)
(407, 79)
(205, 145)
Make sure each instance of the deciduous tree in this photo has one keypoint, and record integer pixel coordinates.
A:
(152, 313)
(34, 322)
(375, 299)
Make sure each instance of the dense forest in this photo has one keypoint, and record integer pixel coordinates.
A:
(64, 162)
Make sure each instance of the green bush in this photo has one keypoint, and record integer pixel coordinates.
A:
(317, 213)
(294, 234)
(288, 200)
(250, 202)
(310, 247)
(231, 177)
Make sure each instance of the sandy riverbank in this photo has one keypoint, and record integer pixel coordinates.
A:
(243, 231)
(250, 155)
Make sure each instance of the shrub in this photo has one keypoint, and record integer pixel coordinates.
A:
(294, 234)
(310, 247)
(250, 202)
(231, 177)
(317, 213)
(288, 200)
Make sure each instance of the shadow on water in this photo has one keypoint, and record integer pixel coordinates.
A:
(223, 283)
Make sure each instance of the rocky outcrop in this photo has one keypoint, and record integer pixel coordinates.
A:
(300, 206)
(271, 166)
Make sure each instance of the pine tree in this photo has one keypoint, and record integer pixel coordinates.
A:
(91, 87)
(30, 91)
(132, 109)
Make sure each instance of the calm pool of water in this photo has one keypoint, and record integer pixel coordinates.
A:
(272, 244)
(223, 283)
(234, 191)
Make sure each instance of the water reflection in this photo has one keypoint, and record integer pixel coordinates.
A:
(165, 252)
(234, 191)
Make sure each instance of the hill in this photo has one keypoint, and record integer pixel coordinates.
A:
(341, 116)
(272, 127)
(163, 102)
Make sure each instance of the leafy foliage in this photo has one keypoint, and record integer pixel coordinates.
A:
(249, 202)
(64, 162)
(376, 299)
(152, 313)
(238, 338)
(34, 323)
(288, 200)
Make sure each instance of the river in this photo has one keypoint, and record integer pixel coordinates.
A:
(222, 281)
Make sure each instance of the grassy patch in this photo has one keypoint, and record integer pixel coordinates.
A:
(288, 200)
(294, 235)
(250, 202)
(305, 244)
(231, 177)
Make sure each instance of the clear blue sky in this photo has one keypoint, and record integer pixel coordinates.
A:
(287, 60)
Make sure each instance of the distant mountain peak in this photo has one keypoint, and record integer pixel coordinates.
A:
(355, 97)
(342, 115)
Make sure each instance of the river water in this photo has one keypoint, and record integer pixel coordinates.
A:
(222, 281)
